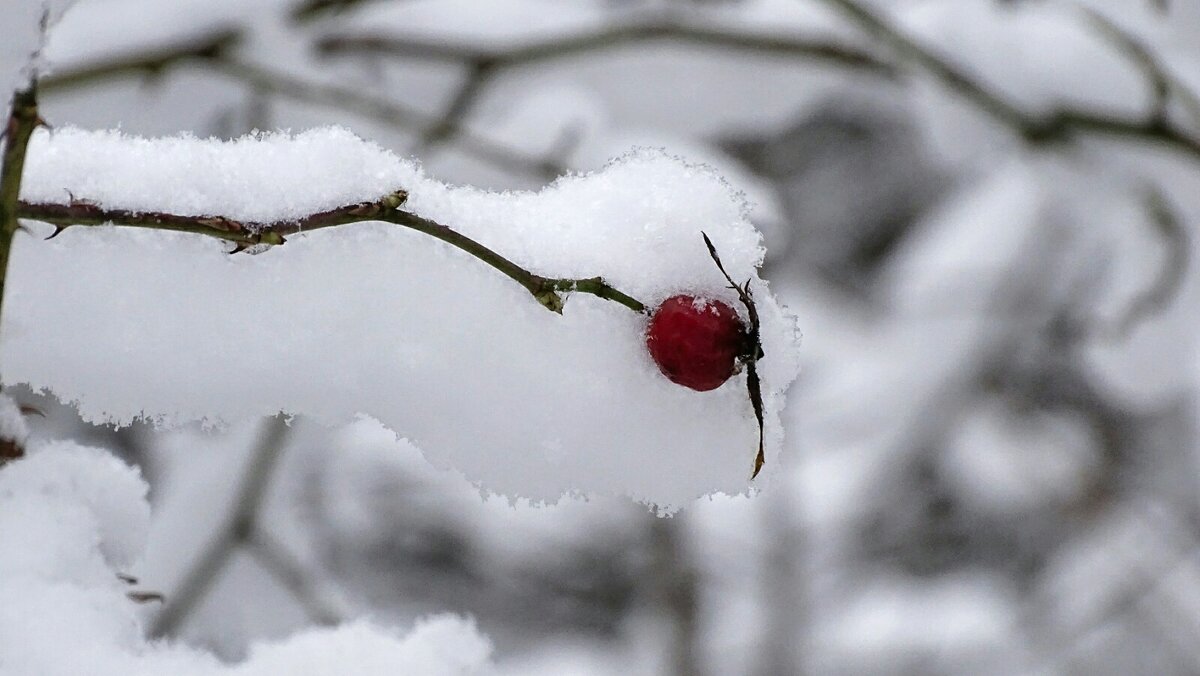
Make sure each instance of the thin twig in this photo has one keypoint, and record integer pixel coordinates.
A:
(607, 37)
(1063, 123)
(236, 530)
(153, 62)
(389, 112)
(1166, 224)
(450, 121)
(309, 10)
(1162, 81)
(546, 290)
(286, 568)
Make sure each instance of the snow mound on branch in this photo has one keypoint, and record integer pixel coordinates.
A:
(72, 517)
(379, 320)
(267, 177)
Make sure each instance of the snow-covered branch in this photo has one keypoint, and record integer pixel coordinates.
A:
(548, 291)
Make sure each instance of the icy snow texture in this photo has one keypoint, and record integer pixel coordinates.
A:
(379, 320)
(72, 517)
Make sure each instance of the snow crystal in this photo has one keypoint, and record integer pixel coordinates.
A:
(378, 320)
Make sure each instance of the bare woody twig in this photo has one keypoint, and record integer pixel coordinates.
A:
(242, 531)
(830, 51)
(236, 530)
(1164, 84)
(546, 290)
(279, 562)
(208, 48)
(450, 122)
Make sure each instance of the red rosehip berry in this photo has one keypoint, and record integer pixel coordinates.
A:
(695, 341)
